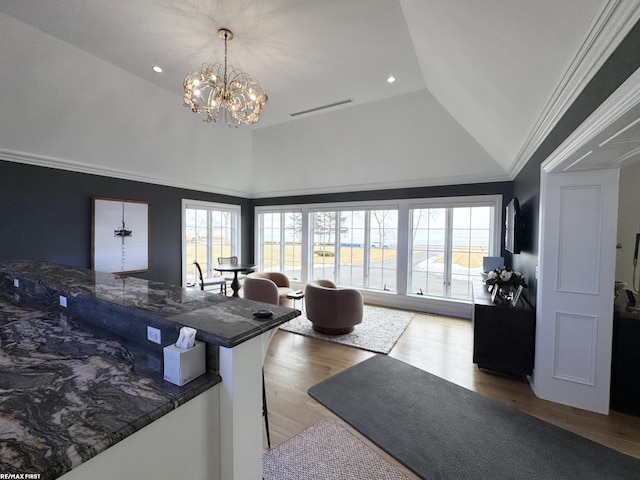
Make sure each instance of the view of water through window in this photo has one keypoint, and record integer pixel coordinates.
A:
(359, 247)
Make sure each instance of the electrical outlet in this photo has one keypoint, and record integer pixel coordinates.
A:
(63, 301)
(153, 334)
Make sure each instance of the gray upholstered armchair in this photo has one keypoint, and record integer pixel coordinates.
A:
(332, 310)
(268, 287)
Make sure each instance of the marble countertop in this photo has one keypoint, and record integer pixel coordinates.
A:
(76, 379)
(69, 391)
(219, 319)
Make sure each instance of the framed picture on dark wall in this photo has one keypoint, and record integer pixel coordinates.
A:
(119, 235)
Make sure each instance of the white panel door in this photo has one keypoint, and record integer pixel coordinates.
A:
(574, 321)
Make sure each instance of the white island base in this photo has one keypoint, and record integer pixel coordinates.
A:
(215, 436)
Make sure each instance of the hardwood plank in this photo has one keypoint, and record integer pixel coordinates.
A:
(440, 345)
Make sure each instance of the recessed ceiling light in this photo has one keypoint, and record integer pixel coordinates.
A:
(391, 79)
(157, 68)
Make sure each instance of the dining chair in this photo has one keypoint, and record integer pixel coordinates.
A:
(211, 281)
(228, 260)
(233, 260)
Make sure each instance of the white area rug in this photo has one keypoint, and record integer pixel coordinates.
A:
(379, 331)
(326, 451)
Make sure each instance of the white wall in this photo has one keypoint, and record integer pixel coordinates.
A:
(186, 439)
(628, 221)
(405, 141)
(62, 107)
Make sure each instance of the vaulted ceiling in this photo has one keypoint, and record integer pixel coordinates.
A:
(502, 72)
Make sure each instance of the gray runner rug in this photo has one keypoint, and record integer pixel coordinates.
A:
(440, 430)
(379, 331)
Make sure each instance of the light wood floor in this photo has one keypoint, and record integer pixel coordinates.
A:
(440, 345)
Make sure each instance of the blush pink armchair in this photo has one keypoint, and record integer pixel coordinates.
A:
(268, 287)
(332, 310)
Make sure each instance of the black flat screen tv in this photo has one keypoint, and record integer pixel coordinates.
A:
(512, 227)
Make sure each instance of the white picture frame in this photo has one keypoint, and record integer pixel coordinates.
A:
(119, 235)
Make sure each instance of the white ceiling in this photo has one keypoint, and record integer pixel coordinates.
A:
(505, 70)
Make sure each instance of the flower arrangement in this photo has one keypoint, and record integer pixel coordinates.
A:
(505, 277)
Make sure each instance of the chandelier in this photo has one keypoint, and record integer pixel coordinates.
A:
(219, 93)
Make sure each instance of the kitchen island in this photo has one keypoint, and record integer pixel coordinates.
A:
(81, 383)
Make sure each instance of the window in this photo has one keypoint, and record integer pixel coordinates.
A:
(447, 246)
(210, 230)
(280, 235)
(424, 248)
(356, 247)
(324, 234)
(352, 260)
(383, 235)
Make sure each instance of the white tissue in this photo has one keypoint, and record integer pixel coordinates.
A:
(187, 338)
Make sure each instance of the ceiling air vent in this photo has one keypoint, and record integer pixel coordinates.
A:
(331, 105)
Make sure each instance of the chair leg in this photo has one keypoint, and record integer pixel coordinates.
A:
(265, 412)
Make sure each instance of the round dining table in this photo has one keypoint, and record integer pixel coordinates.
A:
(236, 268)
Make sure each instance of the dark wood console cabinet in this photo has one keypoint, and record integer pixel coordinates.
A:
(625, 359)
(503, 336)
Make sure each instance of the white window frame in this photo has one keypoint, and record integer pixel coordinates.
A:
(400, 298)
(337, 263)
(494, 201)
(259, 252)
(236, 215)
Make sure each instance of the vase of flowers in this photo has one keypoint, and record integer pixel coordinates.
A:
(505, 284)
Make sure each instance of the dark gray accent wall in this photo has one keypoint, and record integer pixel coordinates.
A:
(461, 190)
(619, 66)
(45, 214)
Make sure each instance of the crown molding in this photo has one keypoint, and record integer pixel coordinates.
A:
(612, 23)
(77, 167)
(73, 166)
(621, 102)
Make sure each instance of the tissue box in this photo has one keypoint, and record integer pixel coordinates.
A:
(183, 365)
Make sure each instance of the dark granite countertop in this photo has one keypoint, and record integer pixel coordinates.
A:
(219, 319)
(69, 391)
(77, 379)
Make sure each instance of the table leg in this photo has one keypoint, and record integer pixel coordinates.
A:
(235, 285)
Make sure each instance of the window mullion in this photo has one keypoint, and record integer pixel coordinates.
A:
(209, 244)
(283, 246)
(404, 249)
(367, 247)
(306, 259)
(448, 257)
(336, 246)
